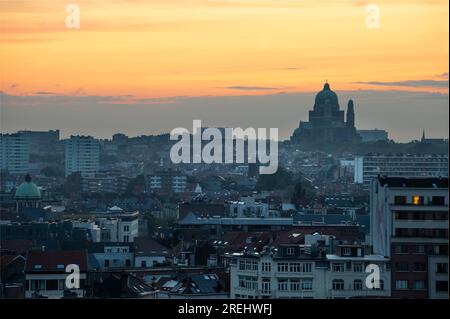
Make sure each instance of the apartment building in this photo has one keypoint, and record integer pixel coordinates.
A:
(369, 166)
(82, 154)
(167, 181)
(14, 153)
(307, 272)
(409, 224)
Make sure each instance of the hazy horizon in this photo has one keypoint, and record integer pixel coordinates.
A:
(403, 114)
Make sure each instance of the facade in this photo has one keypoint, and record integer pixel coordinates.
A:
(167, 181)
(82, 154)
(327, 123)
(409, 224)
(14, 153)
(45, 273)
(247, 207)
(374, 135)
(369, 166)
(105, 182)
(118, 227)
(41, 140)
(114, 255)
(305, 272)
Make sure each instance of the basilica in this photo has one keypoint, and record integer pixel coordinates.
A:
(327, 123)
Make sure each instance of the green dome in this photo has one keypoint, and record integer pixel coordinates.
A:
(27, 190)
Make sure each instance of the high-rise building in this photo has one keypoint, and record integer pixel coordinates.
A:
(369, 166)
(14, 153)
(409, 224)
(82, 154)
(41, 140)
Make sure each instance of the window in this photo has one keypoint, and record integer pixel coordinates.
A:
(266, 266)
(401, 249)
(266, 286)
(420, 267)
(338, 284)
(283, 267)
(400, 200)
(282, 285)
(307, 267)
(417, 200)
(127, 263)
(401, 284)
(420, 249)
(295, 285)
(442, 285)
(37, 266)
(106, 262)
(346, 251)
(357, 284)
(60, 266)
(442, 268)
(295, 267)
(338, 267)
(401, 266)
(438, 200)
(357, 267)
(126, 228)
(290, 251)
(126, 238)
(419, 285)
(307, 284)
(51, 285)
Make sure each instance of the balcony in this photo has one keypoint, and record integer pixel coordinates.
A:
(365, 293)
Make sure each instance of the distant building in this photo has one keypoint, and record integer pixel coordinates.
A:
(297, 271)
(409, 224)
(373, 135)
(82, 154)
(45, 273)
(41, 140)
(167, 181)
(27, 195)
(369, 166)
(327, 123)
(14, 153)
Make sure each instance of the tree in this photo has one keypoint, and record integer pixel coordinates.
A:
(73, 184)
(280, 180)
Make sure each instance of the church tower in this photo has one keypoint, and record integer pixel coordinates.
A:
(350, 114)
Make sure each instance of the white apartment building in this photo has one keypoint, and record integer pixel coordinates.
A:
(114, 256)
(118, 227)
(292, 272)
(369, 166)
(14, 153)
(82, 154)
(247, 206)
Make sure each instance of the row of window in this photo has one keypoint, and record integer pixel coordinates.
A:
(294, 267)
(421, 249)
(49, 284)
(419, 200)
(404, 215)
(339, 284)
(421, 232)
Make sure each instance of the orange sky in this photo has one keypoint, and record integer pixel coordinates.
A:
(162, 48)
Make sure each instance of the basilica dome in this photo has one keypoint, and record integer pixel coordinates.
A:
(326, 96)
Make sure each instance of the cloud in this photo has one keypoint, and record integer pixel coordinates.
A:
(44, 93)
(443, 75)
(411, 83)
(252, 88)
